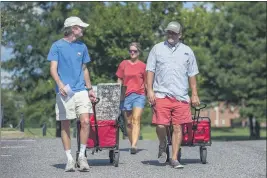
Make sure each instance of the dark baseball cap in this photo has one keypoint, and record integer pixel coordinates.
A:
(174, 26)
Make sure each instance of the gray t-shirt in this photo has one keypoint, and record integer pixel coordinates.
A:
(172, 67)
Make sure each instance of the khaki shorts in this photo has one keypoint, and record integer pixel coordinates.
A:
(74, 107)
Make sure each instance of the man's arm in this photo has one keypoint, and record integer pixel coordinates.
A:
(193, 85)
(149, 80)
(87, 77)
(54, 74)
(192, 72)
(151, 68)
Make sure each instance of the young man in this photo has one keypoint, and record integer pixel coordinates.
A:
(68, 58)
(170, 65)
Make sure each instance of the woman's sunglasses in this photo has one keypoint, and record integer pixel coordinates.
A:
(133, 51)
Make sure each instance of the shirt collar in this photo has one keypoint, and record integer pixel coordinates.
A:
(170, 46)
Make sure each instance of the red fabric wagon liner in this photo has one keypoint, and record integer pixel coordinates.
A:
(107, 132)
(201, 135)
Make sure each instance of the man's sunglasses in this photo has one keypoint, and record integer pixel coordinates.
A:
(133, 51)
(172, 33)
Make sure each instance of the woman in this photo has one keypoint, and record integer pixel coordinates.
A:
(131, 73)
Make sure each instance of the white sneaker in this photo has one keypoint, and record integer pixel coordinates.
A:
(70, 166)
(176, 164)
(83, 164)
(162, 155)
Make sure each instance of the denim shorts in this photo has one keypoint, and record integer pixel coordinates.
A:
(133, 100)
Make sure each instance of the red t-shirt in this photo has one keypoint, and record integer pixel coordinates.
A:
(133, 76)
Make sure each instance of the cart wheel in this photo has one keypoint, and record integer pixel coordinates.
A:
(168, 153)
(179, 154)
(111, 156)
(203, 154)
(116, 157)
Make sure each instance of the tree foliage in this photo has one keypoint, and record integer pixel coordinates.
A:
(229, 43)
(237, 72)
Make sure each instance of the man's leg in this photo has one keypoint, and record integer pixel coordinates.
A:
(161, 117)
(161, 133)
(136, 117)
(176, 140)
(181, 114)
(83, 108)
(63, 112)
(65, 135)
(84, 134)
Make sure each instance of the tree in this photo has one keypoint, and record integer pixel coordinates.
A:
(229, 43)
(237, 73)
(110, 33)
(107, 38)
(11, 105)
(30, 38)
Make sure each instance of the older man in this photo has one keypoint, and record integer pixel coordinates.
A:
(68, 58)
(170, 65)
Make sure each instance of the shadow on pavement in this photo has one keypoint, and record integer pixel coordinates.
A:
(128, 149)
(91, 162)
(59, 166)
(190, 161)
(100, 162)
(234, 138)
(153, 163)
(183, 161)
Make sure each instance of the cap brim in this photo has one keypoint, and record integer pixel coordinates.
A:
(84, 25)
(169, 29)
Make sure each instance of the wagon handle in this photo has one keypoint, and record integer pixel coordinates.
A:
(197, 109)
(97, 148)
(95, 102)
(202, 105)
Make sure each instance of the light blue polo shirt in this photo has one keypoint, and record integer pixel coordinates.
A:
(70, 57)
(172, 67)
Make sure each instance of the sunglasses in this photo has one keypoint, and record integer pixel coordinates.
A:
(172, 33)
(133, 51)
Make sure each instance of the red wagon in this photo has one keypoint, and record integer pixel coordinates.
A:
(197, 133)
(104, 134)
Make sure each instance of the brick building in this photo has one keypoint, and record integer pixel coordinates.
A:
(221, 115)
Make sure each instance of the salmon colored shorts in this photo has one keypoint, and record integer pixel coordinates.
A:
(169, 110)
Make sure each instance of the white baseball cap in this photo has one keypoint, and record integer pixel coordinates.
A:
(71, 21)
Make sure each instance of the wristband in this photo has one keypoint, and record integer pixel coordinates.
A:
(88, 89)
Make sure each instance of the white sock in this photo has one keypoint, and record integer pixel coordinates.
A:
(82, 150)
(68, 153)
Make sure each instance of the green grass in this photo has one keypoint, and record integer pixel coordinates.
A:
(37, 132)
(8, 129)
(147, 133)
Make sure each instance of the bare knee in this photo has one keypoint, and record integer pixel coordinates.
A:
(177, 129)
(85, 122)
(136, 120)
(160, 127)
